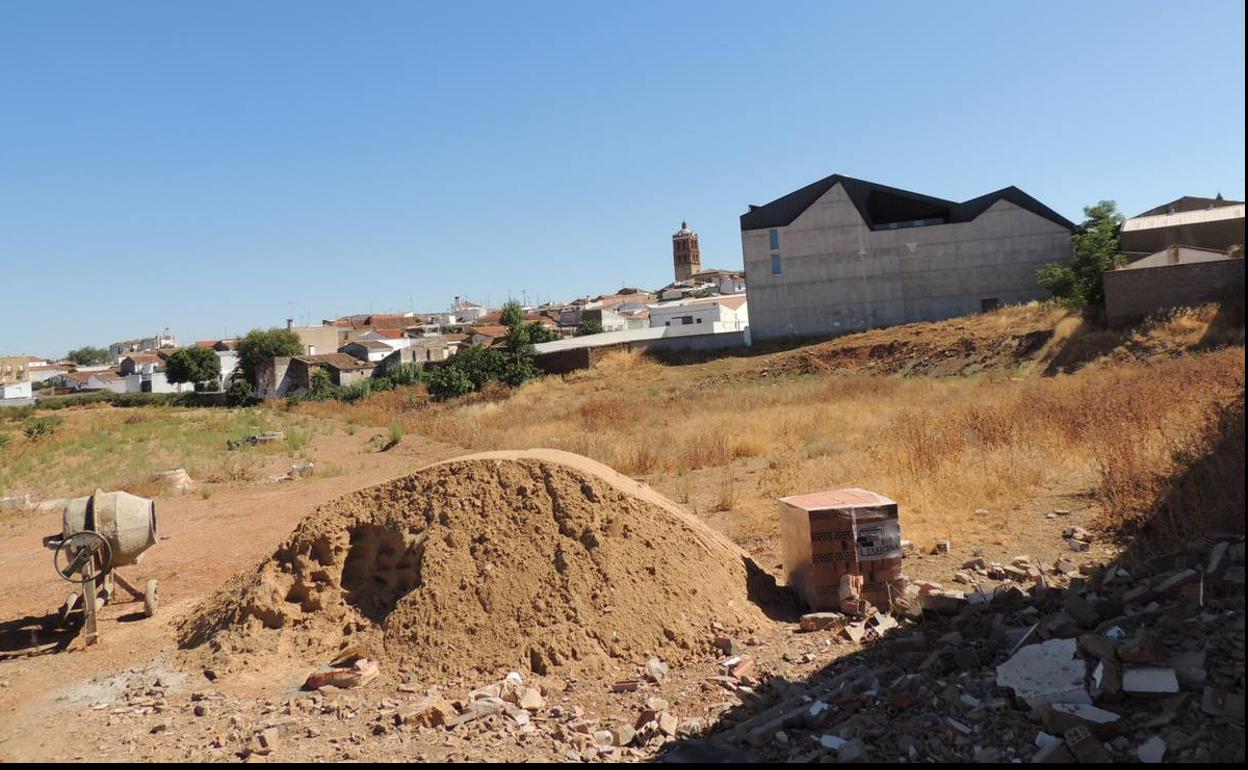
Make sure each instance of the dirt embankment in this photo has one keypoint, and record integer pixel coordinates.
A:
(535, 560)
(1040, 338)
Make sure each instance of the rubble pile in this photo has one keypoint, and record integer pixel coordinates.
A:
(538, 561)
(1085, 663)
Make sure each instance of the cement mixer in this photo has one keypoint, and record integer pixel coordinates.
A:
(99, 534)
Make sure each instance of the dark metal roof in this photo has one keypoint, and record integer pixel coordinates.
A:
(879, 205)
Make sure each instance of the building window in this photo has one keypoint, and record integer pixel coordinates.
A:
(775, 239)
(989, 304)
(776, 267)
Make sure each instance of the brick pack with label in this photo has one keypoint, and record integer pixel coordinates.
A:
(827, 535)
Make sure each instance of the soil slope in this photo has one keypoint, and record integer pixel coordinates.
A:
(539, 560)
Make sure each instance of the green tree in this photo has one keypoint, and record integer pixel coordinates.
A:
(260, 346)
(88, 356)
(239, 393)
(1096, 249)
(512, 315)
(538, 333)
(198, 366)
(449, 381)
(479, 364)
(589, 327)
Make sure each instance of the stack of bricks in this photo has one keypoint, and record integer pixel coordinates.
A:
(828, 535)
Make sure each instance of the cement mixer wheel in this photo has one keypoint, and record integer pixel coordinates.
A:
(150, 599)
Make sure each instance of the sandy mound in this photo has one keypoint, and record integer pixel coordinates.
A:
(538, 560)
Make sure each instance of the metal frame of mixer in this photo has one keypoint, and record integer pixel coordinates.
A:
(87, 557)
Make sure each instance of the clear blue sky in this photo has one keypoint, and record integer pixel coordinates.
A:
(218, 166)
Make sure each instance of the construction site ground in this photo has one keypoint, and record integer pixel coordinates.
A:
(126, 699)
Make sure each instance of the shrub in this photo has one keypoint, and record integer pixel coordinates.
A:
(405, 374)
(320, 386)
(585, 328)
(40, 427)
(239, 394)
(394, 434)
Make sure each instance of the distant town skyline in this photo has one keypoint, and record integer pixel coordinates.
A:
(213, 169)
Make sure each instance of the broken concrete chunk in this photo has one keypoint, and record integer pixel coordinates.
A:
(1152, 750)
(1060, 717)
(1045, 673)
(1220, 703)
(656, 670)
(1149, 681)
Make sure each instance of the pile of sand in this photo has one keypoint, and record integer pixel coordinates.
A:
(537, 560)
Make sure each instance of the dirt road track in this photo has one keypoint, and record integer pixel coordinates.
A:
(202, 543)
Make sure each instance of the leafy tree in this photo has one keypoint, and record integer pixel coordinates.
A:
(538, 333)
(195, 365)
(512, 315)
(479, 364)
(1096, 250)
(589, 327)
(449, 381)
(259, 346)
(88, 356)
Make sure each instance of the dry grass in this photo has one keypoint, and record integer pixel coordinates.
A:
(728, 444)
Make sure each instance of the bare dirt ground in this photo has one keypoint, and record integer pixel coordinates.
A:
(134, 696)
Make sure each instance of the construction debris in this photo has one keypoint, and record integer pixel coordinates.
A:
(1108, 664)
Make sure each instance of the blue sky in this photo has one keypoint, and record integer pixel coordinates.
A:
(214, 167)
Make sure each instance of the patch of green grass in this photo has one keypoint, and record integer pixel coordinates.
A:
(103, 446)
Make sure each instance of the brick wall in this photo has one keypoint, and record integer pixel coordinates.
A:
(1134, 293)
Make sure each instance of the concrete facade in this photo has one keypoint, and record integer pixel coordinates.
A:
(316, 340)
(832, 272)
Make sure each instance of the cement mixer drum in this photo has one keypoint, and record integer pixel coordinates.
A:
(126, 521)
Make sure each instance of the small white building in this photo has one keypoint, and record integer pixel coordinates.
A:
(368, 350)
(714, 314)
(15, 393)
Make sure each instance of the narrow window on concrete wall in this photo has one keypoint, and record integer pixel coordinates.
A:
(776, 267)
(775, 239)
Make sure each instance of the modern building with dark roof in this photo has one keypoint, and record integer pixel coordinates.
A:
(842, 254)
(1202, 223)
